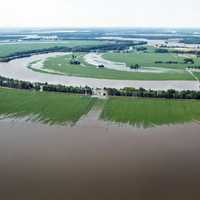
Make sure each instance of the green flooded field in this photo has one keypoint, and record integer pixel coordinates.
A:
(52, 108)
(58, 108)
(150, 112)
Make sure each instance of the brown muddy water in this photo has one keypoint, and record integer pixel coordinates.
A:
(95, 160)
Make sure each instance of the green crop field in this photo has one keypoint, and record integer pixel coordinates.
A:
(61, 64)
(149, 59)
(52, 108)
(150, 112)
(8, 49)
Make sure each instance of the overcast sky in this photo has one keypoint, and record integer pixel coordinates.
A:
(102, 13)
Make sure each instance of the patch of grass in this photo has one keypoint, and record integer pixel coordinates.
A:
(52, 108)
(61, 64)
(197, 74)
(8, 49)
(150, 112)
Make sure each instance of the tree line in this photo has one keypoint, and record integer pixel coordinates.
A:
(186, 61)
(25, 85)
(102, 48)
(141, 92)
(130, 92)
(67, 89)
(194, 67)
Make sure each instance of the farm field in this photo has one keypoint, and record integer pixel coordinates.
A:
(8, 49)
(51, 108)
(61, 64)
(150, 112)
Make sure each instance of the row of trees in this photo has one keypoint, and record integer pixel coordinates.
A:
(169, 94)
(163, 50)
(186, 61)
(67, 89)
(166, 62)
(131, 92)
(194, 67)
(11, 83)
(196, 52)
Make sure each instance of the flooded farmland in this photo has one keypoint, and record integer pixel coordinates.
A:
(98, 160)
(67, 146)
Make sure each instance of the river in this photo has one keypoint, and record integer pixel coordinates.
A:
(17, 69)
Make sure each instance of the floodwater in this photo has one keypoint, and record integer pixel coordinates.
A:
(96, 59)
(170, 42)
(17, 69)
(95, 160)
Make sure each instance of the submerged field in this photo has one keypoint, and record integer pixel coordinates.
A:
(61, 64)
(9, 49)
(58, 108)
(150, 112)
(52, 108)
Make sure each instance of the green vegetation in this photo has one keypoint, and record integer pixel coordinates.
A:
(164, 94)
(150, 112)
(62, 64)
(9, 49)
(58, 108)
(150, 59)
(197, 74)
(52, 108)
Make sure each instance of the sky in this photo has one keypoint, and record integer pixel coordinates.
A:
(99, 13)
